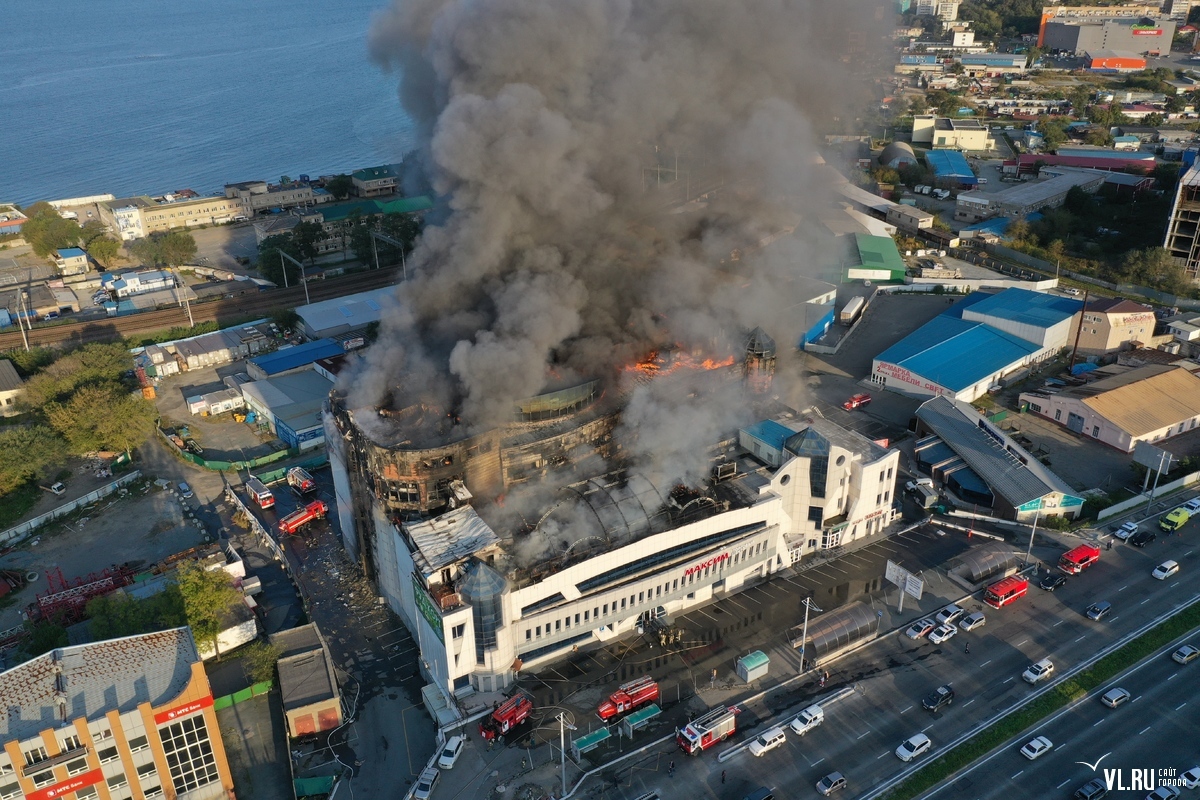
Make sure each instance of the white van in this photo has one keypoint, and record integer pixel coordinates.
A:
(768, 740)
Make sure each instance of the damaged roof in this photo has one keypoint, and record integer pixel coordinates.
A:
(448, 538)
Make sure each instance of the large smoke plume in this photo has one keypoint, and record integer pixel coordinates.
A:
(562, 137)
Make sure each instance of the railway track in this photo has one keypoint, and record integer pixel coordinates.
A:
(222, 310)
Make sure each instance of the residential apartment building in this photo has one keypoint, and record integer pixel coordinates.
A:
(946, 10)
(1113, 324)
(122, 719)
(376, 181)
(138, 217)
(71, 261)
(124, 216)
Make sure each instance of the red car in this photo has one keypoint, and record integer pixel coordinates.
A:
(857, 401)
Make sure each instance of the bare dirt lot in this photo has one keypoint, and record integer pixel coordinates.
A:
(147, 524)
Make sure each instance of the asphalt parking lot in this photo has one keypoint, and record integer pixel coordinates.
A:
(221, 437)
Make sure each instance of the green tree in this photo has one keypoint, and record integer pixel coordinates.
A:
(1053, 130)
(90, 364)
(25, 451)
(41, 637)
(1080, 98)
(918, 105)
(271, 266)
(46, 231)
(258, 661)
(208, 596)
(957, 68)
(116, 615)
(1153, 120)
(1018, 231)
(307, 236)
(105, 251)
(1098, 137)
(103, 416)
(92, 229)
(145, 251)
(177, 247)
(1154, 267)
(340, 186)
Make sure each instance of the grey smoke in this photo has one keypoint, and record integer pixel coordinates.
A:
(552, 134)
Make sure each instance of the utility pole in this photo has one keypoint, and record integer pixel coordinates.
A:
(181, 290)
(808, 604)
(1162, 455)
(562, 749)
(1032, 531)
(1078, 331)
(303, 279)
(395, 243)
(20, 316)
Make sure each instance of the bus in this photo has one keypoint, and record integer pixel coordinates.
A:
(1076, 561)
(1003, 592)
(261, 494)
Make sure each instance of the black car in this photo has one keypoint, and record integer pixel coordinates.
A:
(942, 696)
(1143, 538)
(1052, 581)
(1092, 790)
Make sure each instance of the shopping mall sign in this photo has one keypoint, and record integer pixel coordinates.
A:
(428, 610)
(1146, 30)
(703, 565)
(68, 786)
(183, 710)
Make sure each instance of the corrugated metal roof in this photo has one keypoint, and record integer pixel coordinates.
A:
(879, 252)
(113, 675)
(1143, 400)
(448, 538)
(949, 164)
(10, 381)
(355, 310)
(956, 353)
(1027, 307)
(957, 424)
(770, 432)
(298, 356)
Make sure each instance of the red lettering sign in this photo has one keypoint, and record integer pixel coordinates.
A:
(183, 710)
(69, 785)
(1147, 31)
(703, 565)
(902, 375)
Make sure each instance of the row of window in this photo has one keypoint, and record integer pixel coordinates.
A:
(651, 594)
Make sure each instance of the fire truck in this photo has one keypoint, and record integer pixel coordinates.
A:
(1076, 561)
(509, 715)
(261, 494)
(294, 521)
(629, 696)
(301, 482)
(715, 726)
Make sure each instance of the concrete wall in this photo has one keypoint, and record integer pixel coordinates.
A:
(19, 532)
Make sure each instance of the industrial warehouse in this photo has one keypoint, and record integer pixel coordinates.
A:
(602, 557)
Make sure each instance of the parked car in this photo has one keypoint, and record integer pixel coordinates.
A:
(831, 783)
(1114, 697)
(1037, 747)
(1092, 790)
(1098, 611)
(1192, 505)
(451, 752)
(1186, 654)
(185, 491)
(1052, 581)
(1163, 793)
(949, 615)
(942, 696)
(807, 719)
(1191, 778)
(920, 629)
(912, 485)
(425, 784)
(1165, 570)
(1038, 672)
(972, 621)
(1126, 530)
(1143, 538)
(767, 741)
(943, 633)
(913, 746)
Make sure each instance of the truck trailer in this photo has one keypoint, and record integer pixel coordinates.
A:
(629, 696)
(715, 726)
(851, 310)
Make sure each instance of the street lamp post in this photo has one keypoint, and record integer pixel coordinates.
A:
(1163, 455)
(562, 749)
(1032, 531)
(808, 604)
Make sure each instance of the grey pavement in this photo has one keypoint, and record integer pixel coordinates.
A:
(253, 733)
(221, 436)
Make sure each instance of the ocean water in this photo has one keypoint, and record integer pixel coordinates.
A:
(150, 96)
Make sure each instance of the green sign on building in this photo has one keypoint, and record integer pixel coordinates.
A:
(428, 610)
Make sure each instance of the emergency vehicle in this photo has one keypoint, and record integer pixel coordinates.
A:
(300, 481)
(294, 521)
(509, 715)
(715, 726)
(259, 491)
(1076, 561)
(628, 697)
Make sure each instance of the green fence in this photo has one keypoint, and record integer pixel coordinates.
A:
(237, 466)
(245, 694)
(279, 474)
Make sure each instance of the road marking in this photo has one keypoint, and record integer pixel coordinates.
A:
(881, 755)
(1181, 705)
(1081, 638)
(906, 710)
(1144, 730)
(972, 700)
(927, 727)
(1009, 680)
(1173, 585)
(1123, 588)
(1134, 700)
(1113, 619)
(1060, 622)
(865, 734)
(984, 664)
(714, 619)
(1189, 552)
(818, 761)
(1018, 644)
(1098, 722)
(1064, 783)
(835, 569)
(1147, 600)
(1172, 676)
(1014, 777)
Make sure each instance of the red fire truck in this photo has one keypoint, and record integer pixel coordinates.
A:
(1009, 590)
(715, 726)
(629, 696)
(857, 401)
(294, 521)
(300, 481)
(1076, 561)
(509, 715)
(259, 491)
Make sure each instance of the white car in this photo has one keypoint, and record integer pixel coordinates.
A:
(1115, 697)
(972, 621)
(1192, 505)
(912, 485)
(913, 746)
(1126, 530)
(1038, 672)
(451, 752)
(1165, 570)
(944, 633)
(1191, 778)
(1163, 793)
(1037, 747)
(807, 719)
(949, 615)
(767, 741)
(1186, 654)
(425, 784)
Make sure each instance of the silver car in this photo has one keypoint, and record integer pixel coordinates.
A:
(425, 784)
